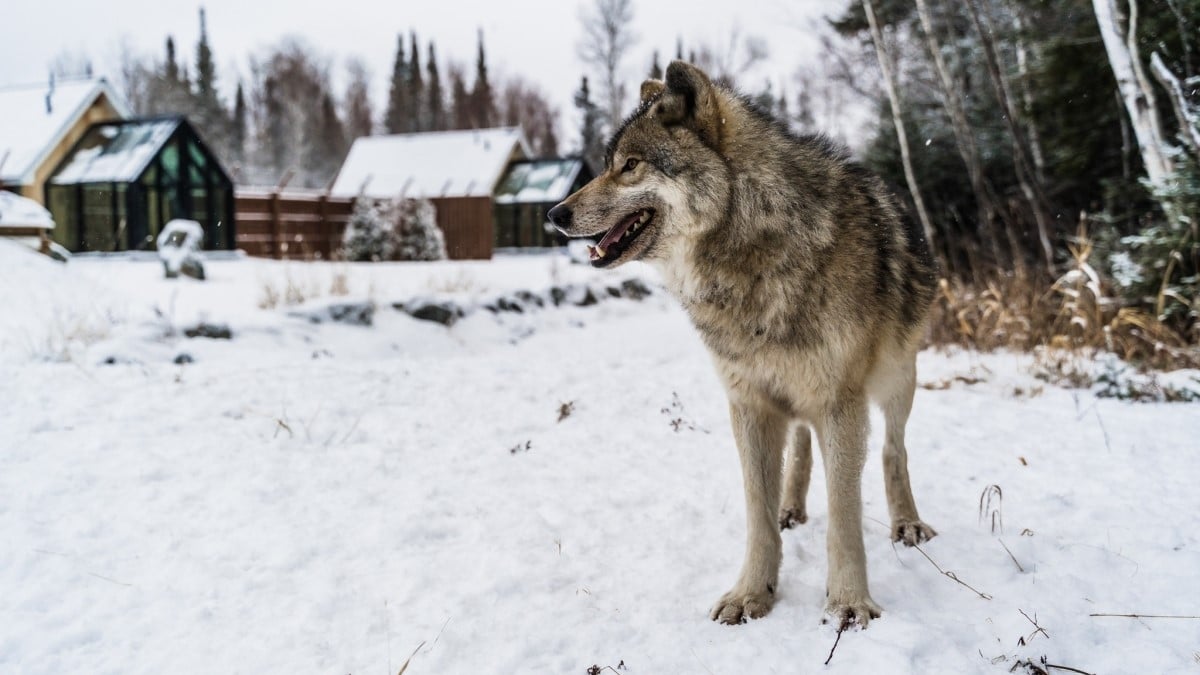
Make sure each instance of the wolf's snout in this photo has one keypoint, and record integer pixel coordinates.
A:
(561, 217)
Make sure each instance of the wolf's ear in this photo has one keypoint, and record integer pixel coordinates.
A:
(651, 89)
(690, 99)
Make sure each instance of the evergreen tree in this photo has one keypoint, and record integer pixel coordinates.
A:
(433, 95)
(358, 102)
(416, 89)
(656, 71)
(329, 141)
(460, 101)
(591, 132)
(394, 121)
(240, 126)
(171, 70)
(207, 111)
(483, 101)
(678, 48)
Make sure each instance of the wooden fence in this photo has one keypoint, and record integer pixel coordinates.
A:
(309, 225)
(291, 224)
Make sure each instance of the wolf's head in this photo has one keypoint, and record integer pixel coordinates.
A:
(662, 172)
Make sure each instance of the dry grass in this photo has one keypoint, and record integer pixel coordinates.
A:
(1063, 321)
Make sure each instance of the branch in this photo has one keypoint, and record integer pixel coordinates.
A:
(1189, 122)
(951, 575)
(1148, 616)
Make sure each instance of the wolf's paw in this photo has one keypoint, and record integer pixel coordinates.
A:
(847, 614)
(792, 516)
(912, 532)
(738, 605)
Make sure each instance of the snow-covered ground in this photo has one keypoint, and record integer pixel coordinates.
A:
(526, 493)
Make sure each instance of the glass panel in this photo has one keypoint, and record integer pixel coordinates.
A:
(99, 222)
(170, 162)
(61, 202)
(197, 156)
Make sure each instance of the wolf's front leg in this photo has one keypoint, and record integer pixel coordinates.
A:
(843, 440)
(760, 433)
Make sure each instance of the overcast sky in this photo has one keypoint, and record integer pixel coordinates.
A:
(533, 38)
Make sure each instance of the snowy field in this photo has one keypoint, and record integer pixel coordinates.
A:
(541, 492)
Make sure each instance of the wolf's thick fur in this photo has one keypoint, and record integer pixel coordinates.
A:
(808, 287)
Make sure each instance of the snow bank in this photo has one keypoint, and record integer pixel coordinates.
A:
(18, 211)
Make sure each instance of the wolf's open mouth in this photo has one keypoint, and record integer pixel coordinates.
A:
(617, 240)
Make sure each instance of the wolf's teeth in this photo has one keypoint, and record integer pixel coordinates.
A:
(600, 251)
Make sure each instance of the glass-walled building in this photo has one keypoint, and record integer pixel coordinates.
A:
(124, 180)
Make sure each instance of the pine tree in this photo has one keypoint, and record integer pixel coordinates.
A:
(460, 101)
(433, 95)
(329, 141)
(483, 101)
(678, 48)
(656, 71)
(207, 110)
(591, 133)
(394, 121)
(358, 102)
(240, 126)
(171, 71)
(416, 89)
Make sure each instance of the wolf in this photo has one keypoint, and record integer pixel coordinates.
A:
(810, 289)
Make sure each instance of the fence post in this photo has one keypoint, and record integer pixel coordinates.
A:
(276, 251)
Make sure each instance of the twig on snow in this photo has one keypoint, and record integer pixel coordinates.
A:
(404, 666)
(1010, 554)
(952, 575)
(841, 629)
(1149, 616)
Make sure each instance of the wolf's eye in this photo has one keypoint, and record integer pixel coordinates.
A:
(630, 165)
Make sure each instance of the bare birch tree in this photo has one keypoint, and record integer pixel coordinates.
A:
(606, 37)
(1025, 170)
(964, 137)
(1136, 90)
(893, 95)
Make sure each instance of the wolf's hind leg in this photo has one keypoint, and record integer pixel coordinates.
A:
(760, 433)
(795, 485)
(897, 403)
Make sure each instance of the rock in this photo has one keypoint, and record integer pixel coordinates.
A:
(509, 305)
(528, 298)
(349, 313)
(613, 292)
(444, 313)
(214, 331)
(557, 295)
(635, 289)
(587, 299)
(353, 313)
(184, 358)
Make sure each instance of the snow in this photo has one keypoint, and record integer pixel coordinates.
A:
(22, 212)
(29, 132)
(120, 154)
(429, 165)
(331, 498)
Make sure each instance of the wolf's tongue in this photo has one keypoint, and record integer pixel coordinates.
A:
(617, 232)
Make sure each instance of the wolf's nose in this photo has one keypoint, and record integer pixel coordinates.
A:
(560, 215)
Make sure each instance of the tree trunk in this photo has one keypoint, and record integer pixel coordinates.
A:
(1026, 173)
(964, 138)
(1135, 89)
(1188, 118)
(894, 100)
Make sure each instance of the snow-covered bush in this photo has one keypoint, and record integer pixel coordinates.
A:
(415, 231)
(401, 229)
(179, 248)
(368, 237)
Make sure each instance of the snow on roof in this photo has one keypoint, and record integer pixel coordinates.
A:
(30, 131)
(18, 211)
(538, 181)
(115, 152)
(431, 164)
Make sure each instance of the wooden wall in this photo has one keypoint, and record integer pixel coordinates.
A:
(468, 226)
(101, 110)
